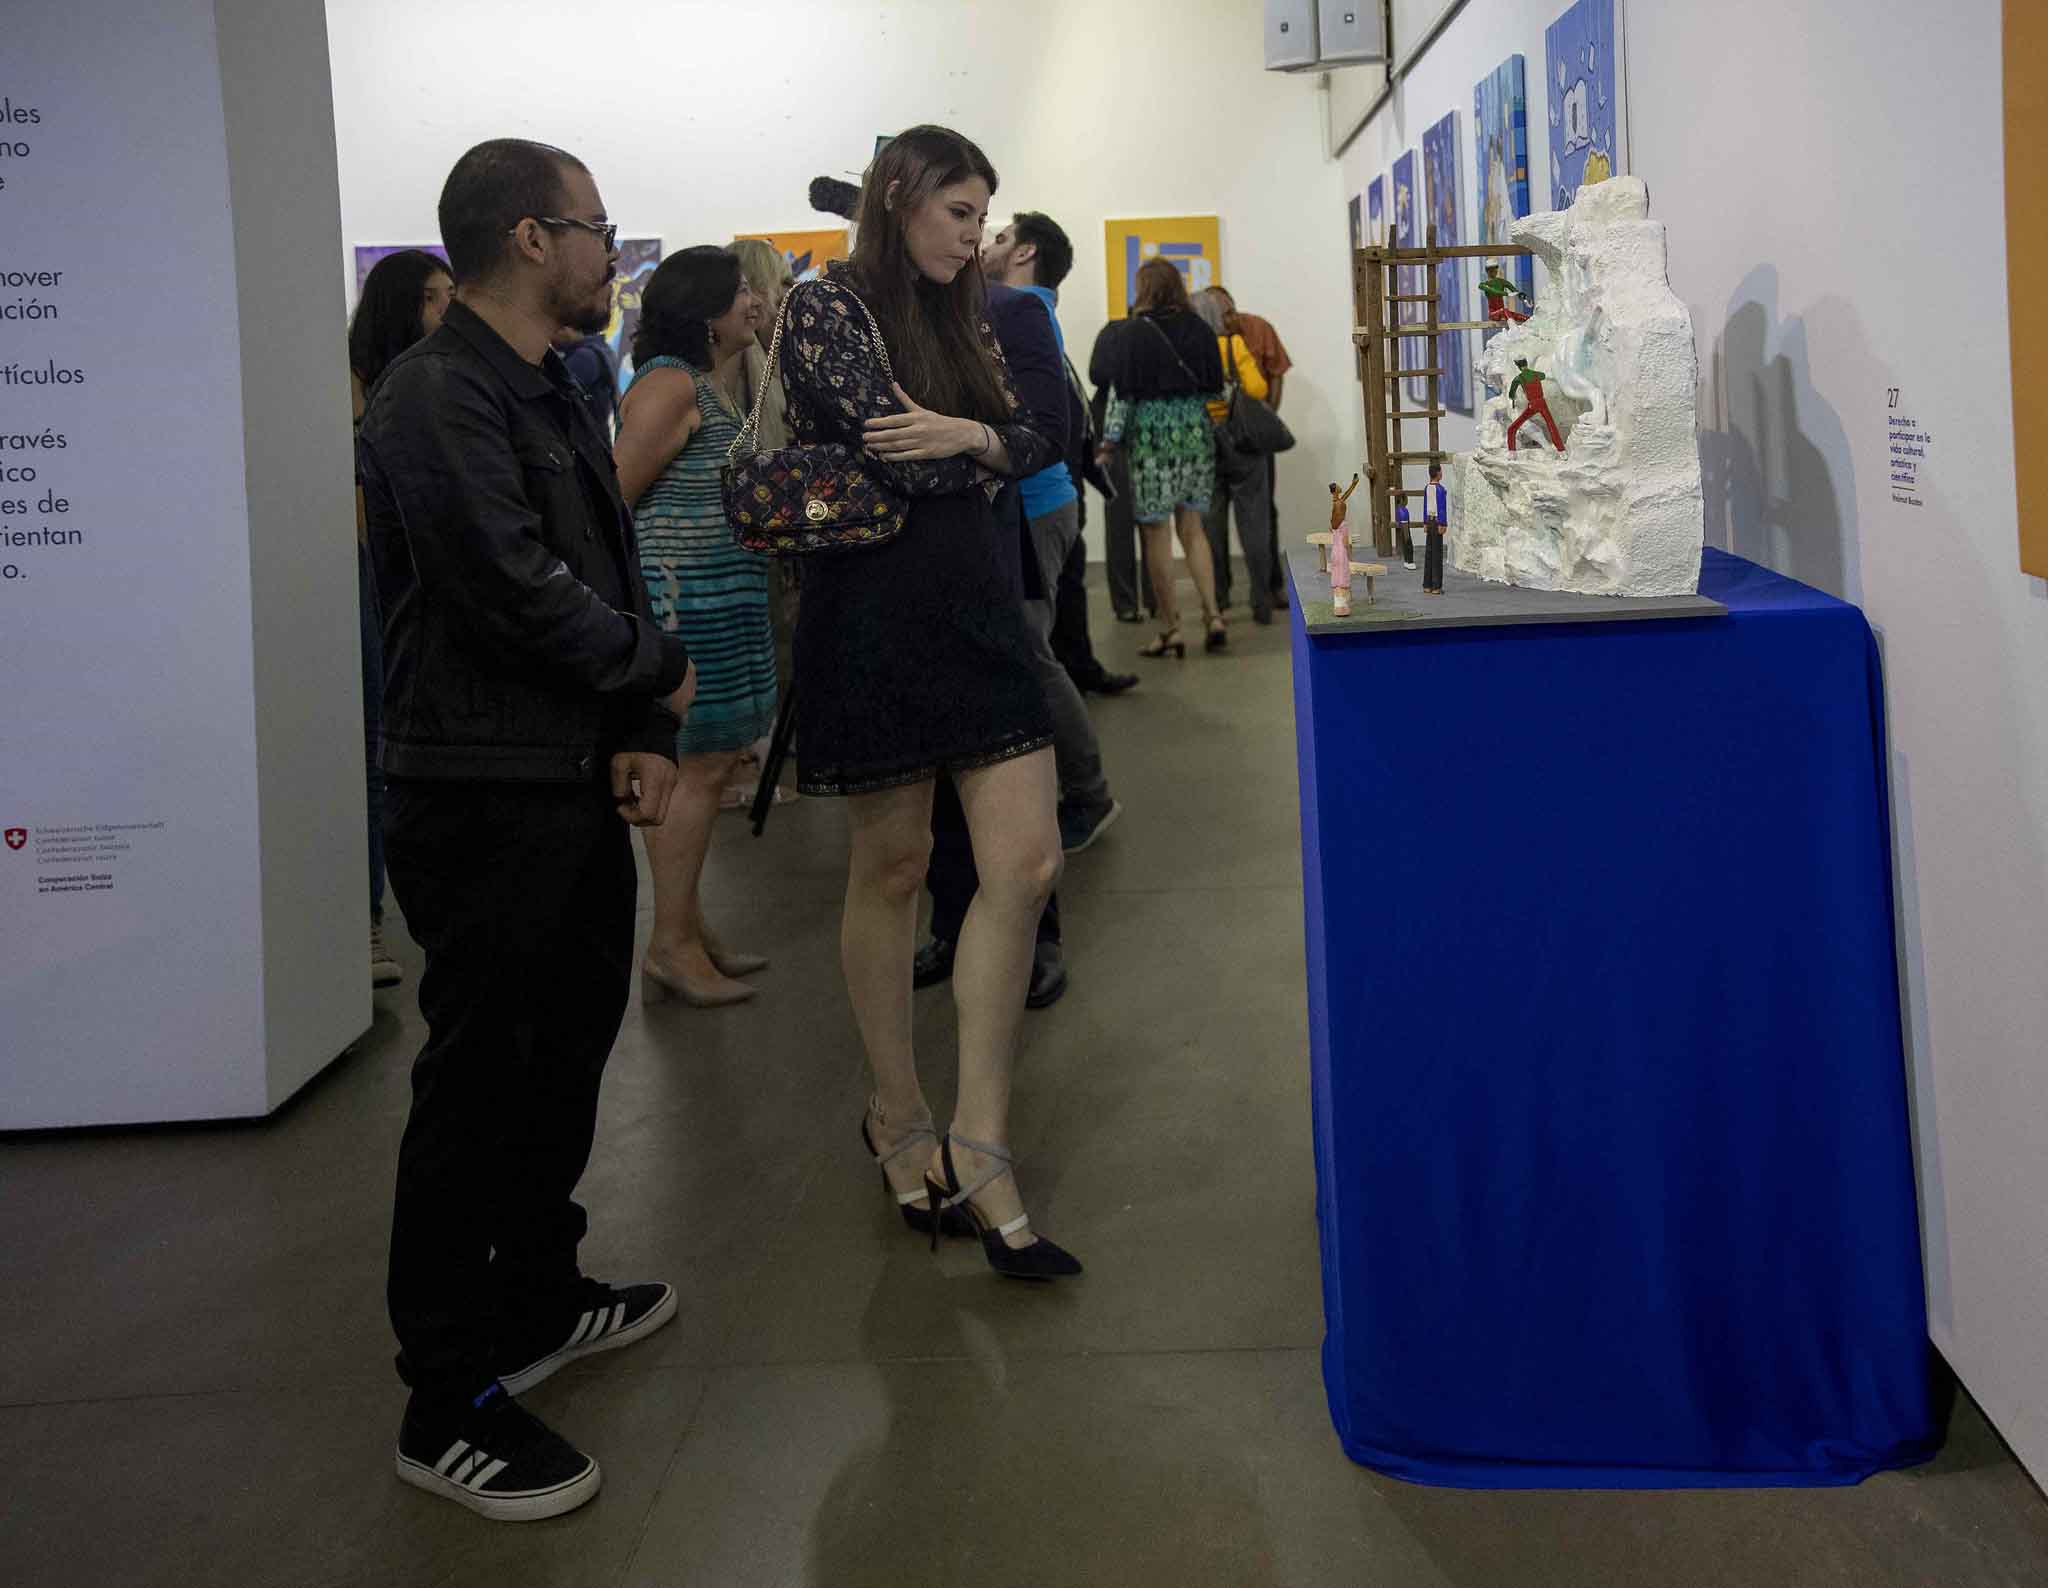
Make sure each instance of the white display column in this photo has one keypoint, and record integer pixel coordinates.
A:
(183, 900)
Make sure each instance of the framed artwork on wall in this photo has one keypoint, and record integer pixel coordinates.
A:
(1357, 216)
(1585, 87)
(637, 258)
(1376, 209)
(1404, 229)
(1500, 153)
(2026, 235)
(1440, 195)
(1193, 243)
(808, 252)
(368, 254)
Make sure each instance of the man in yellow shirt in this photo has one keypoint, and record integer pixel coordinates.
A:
(1271, 356)
(1241, 478)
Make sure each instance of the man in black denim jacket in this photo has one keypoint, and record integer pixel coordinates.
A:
(530, 712)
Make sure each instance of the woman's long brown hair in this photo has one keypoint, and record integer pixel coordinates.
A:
(933, 331)
(1159, 287)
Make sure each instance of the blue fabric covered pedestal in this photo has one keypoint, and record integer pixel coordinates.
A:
(1614, 1179)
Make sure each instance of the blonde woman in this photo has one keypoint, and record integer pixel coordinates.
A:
(769, 278)
(766, 270)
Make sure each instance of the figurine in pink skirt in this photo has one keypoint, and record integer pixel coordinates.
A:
(1340, 548)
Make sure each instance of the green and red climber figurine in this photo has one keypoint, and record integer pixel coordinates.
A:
(1530, 383)
(1499, 291)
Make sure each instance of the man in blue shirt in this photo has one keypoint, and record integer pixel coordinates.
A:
(1436, 513)
(595, 372)
(1032, 255)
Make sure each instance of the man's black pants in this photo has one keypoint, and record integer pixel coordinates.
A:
(951, 876)
(1130, 570)
(1070, 639)
(522, 896)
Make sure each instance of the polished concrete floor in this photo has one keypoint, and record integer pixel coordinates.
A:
(195, 1383)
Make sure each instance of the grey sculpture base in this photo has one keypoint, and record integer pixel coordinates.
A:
(1467, 602)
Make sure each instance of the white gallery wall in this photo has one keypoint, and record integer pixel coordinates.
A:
(700, 119)
(1832, 177)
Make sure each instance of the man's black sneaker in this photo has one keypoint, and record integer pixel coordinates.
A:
(1081, 827)
(1048, 977)
(1105, 682)
(495, 1457)
(934, 963)
(608, 1319)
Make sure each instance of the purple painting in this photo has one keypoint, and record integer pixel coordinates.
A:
(367, 255)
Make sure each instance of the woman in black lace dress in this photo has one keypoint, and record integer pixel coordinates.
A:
(912, 658)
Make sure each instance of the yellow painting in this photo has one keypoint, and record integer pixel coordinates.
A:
(1193, 243)
(808, 253)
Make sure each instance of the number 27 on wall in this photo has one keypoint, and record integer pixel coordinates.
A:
(1891, 396)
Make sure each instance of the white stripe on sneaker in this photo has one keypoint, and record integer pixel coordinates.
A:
(476, 1484)
(618, 1319)
(583, 1328)
(467, 1465)
(448, 1456)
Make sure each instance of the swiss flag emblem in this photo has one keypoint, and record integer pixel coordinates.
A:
(17, 837)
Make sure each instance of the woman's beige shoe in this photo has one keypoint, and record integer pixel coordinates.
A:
(657, 986)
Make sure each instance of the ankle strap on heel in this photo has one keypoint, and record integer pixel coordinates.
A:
(1004, 1164)
(913, 1133)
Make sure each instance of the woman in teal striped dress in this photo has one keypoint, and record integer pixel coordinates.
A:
(697, 316)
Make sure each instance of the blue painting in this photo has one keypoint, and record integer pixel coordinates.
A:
(1404, 229)
(1440, 215)
(638, 257)
(1500, 152)
(1580, 82)
(1357, 222)
(1376, 210)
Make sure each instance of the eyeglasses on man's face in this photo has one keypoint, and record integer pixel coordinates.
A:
(610, 233)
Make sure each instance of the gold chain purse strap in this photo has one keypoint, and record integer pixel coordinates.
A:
(750, 431)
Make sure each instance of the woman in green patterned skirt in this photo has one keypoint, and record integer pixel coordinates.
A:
(697, 315)
(1167, 369)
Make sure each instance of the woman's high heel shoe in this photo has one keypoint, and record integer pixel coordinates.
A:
(657, 985)
(1219, 634)
(1040, 1260)
(915, 1204)
(1168, 642)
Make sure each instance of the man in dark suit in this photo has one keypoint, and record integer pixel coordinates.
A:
(1031, 349)
(1125, 556)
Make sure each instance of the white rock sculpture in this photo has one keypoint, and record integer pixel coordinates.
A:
(1620, 511)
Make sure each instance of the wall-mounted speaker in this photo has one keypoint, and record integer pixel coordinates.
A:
(1316, 35)
(1291, 35)
(1349, 31)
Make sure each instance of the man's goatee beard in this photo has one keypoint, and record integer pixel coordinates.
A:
(588, 318)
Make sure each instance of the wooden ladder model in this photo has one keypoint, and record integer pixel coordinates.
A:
(1377, 280)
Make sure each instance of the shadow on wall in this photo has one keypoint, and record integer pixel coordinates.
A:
(1775, 459)
(1303, 475)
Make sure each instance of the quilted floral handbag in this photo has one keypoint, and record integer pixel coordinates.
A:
(796, 501)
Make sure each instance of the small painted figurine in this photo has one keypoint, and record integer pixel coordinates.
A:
(1436, 512)
(1499, 290)
(1404, 533)
(1340, 548)
(1530, 383)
